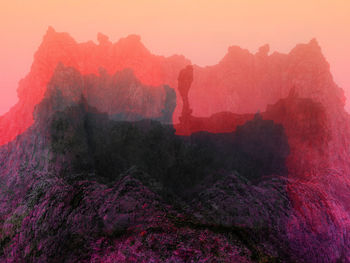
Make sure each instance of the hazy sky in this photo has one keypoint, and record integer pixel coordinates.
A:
(199, 29)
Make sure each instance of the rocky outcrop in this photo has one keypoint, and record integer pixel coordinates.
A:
(71, 192)
(240, 83)
(231, 184)
(121, 96)
(317, 128)
(243, 82)
(87, 58)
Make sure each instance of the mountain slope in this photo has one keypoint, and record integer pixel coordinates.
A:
(92, 130)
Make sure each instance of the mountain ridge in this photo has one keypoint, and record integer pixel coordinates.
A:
(155, 70)
(256, 157)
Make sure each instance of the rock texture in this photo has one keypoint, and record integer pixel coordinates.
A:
(87, 58)
(241, 82)
(71, 192)
(317, 128)
(121, 96)
(92, 171)
(246, 83)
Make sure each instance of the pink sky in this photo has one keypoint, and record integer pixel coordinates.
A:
(199, 29)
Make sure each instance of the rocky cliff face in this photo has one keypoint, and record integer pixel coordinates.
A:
(79, 187)
(241, 82)
(318, 135)
(87, 58)
(246, 83)
(92, 170)
(120, 96)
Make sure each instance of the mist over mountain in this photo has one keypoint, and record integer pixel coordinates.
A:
(114, 154)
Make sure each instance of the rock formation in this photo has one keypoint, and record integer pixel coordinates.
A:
(253, 168)
(87, 58)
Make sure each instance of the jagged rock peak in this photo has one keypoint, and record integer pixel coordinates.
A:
(103, 39)
(50, 30)
(312, 47)
(236, 49)
(313, 42)
(264, 50)
(52, 34)
(235, 53)
(131, 39)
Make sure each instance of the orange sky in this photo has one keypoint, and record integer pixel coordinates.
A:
(199, 29)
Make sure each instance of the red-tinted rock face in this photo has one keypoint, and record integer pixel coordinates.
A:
(245, 83)
(304, 99)
(87, 58)
(241, 82)
(122, 96)
(295, 90)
